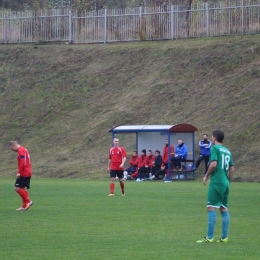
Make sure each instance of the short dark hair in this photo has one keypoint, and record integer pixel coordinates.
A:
(205, 134)
(150, 151)
(219, 135)
(157, 151)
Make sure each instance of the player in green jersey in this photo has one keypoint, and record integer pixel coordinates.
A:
(221, 169)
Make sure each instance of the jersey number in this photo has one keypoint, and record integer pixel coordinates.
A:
(225, 161)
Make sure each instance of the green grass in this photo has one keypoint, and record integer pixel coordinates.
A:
(74, 219)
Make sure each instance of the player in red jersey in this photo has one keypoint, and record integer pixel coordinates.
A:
(116, 161)
(23, 175)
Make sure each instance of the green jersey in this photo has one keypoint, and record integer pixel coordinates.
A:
(224, 160)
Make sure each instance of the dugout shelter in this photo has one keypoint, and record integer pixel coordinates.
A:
(152, 137)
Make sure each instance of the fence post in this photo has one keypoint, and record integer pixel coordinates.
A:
(229, 18)
(207, 19)
(70, 32)
(5, 28)
(242, 14)
(105, 26)
(141, 37)
(172, 22)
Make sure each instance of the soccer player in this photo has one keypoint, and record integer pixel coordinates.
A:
(23, 176)
(221, 169)
(116, 161)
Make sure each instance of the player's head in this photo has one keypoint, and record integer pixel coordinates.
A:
(180, 141)
(14, 146)
(150, 152)
(134, 153)
(166, 141)
(205, 137)
(217, 136)
(157, 153)
(143, 152)
(116, 142)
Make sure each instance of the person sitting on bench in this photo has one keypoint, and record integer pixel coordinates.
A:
(140, 169)
(181, 153)
(156, 169)
(133, 163)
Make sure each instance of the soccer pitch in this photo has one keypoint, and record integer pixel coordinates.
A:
(75, 219)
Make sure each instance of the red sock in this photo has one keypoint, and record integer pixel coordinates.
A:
(134, 174)
(27, 193)
(122, 186)
(112, 187)
(24, 196)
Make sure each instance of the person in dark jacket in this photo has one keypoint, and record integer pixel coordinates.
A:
(204, 145)
(156, 169)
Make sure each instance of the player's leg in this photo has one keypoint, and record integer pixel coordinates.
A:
(206, 160)
(213, 203)
(199, 161)
(112, 182)
(20, 183)
(26, 188)
(134, 175)
(173, 160)
(178, 162)
(225, 217)
(120, 175)
(27, 193)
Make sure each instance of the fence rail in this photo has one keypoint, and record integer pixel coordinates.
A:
(131, 24)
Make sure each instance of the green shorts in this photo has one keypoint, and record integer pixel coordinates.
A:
(218, 196)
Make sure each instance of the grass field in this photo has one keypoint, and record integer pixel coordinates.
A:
(74, 219)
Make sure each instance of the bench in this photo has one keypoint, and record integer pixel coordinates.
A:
(185, 170)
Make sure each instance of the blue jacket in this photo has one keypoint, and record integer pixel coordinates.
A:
(205, 147)
(182, 150)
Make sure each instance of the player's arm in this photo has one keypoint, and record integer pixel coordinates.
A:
(231, 173)
(123, 162)
(211, 169)
(21, 163)
(108, 165)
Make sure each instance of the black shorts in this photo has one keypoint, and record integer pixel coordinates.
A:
(22, 182)
(117, 173)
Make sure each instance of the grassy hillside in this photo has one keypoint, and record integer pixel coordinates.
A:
(61, 100)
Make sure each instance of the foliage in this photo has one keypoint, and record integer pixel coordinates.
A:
(61, 100)
(92, 4)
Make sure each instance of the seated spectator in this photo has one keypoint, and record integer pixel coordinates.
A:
(156, 169)
(149, 163)
(133, 163)
(140, 170)
(180, 155)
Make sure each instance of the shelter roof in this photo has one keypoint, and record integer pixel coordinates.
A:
(179, 128)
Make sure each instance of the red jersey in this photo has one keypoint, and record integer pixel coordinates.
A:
(149, 160)
(141, 161)
(116, 155)
(134, 160)
(165, 154)
(24, 163)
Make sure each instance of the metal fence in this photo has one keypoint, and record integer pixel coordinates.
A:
(131, 24)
